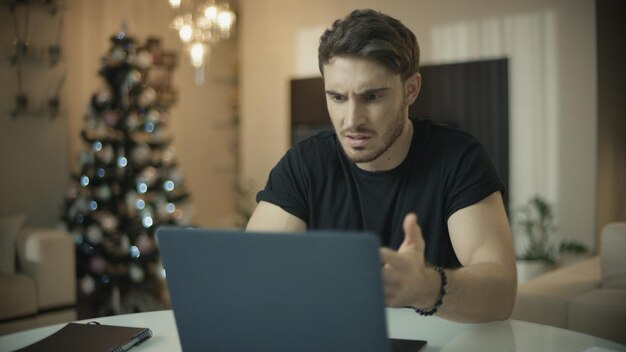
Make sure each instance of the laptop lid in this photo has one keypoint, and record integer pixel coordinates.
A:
(237, 291)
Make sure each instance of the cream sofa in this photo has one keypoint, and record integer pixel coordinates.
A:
(42, 288)
(588, 297)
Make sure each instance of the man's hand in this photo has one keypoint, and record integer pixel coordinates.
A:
(482, 289)
(407, 280)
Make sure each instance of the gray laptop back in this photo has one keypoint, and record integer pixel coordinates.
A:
(236, 291)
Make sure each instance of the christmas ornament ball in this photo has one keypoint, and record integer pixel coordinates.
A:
(131, 202)
(132, 78)
(87, 285)
(72, 191)
(141, 153)
(124, 244)
(153, 116)
(104, 192)
(143, 59)
(168, 155)
(149, 174)
(147, 97)
(103, 97)
(133, 120)
(144, 243)
(136, 273)
(106, 154)
(97, 264)
(94, 234)
(108, 222)
(117, 56)
(110, 118)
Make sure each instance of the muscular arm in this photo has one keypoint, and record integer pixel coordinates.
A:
(485, 288)
(482, 290)
(270, 217)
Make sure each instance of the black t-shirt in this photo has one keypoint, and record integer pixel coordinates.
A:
(444, 171)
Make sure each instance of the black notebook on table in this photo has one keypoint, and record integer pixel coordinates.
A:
(91, 337)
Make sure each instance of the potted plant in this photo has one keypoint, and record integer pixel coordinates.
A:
(571, 252)
(535, 220)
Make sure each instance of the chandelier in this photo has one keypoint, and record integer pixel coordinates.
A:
(201, 26)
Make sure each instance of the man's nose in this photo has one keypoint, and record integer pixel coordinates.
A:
(355, 116)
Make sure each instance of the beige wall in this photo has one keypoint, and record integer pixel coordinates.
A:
(33, 149)
(35, 180)
(551, 46)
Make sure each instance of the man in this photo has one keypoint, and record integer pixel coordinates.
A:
(379, 171)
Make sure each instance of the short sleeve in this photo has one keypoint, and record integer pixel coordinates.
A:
(286, 186)
(472, 177)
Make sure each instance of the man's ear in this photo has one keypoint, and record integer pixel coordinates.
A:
(412, 88)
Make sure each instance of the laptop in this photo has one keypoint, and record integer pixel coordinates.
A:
(242, 291)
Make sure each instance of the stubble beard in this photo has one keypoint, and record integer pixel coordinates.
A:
(388, 138)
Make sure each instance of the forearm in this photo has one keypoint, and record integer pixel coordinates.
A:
(484, 288)
(477, 293)
(269, 217)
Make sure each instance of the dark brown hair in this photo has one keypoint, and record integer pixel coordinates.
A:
(372, 35)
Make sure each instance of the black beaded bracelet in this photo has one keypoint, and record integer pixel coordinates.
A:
(442, 292)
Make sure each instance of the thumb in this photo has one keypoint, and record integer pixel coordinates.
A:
(411, 232)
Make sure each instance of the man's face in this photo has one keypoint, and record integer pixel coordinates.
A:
(368, 107)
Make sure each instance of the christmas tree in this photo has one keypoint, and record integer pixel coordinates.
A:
(128, 183)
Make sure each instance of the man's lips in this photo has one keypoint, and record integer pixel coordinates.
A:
(356, 140)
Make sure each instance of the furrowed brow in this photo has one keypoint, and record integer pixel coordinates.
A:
(373, 91)
(365, 92)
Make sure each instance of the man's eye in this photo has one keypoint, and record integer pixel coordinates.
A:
(337, 98)
(373, 96)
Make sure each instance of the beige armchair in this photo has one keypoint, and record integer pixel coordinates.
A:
(589, 296)
(42, 290)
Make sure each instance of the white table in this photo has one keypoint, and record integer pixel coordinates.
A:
(442, 335)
